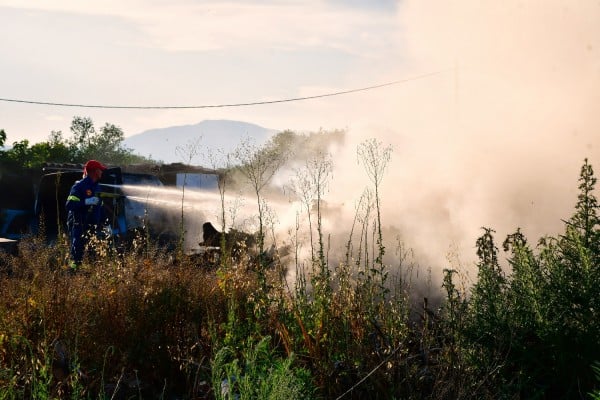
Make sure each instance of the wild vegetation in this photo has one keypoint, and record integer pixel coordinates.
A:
(147, 324)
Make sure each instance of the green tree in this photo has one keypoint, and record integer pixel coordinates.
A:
(22, 155)
(105, 144)
(82, 129)
(84, 144)
(2, 137)
(58, 150)
(306, 146)
(19, 154)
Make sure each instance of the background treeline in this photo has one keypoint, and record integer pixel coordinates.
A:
(85, 142)
(147, 324)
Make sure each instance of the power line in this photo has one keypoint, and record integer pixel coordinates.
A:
(254, 103)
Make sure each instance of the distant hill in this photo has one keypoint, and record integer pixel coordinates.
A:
(161, 144)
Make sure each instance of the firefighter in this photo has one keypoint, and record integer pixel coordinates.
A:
(84, 211)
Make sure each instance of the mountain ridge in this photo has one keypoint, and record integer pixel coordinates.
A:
(162, 144)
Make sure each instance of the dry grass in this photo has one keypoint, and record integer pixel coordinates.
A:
(140, 315)
(150, 324)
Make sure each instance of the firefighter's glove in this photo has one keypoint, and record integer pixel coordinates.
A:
(92, 201)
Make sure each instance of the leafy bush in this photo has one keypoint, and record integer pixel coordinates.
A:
(258, 374)
(536, 332)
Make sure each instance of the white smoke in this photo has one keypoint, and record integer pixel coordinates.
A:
(498, 138)
(495, 139)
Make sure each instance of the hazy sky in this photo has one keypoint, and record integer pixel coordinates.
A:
(495, 137)
(186, 53)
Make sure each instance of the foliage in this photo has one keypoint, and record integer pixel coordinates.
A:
(140, 323)
(84, 144)
(302, 147)
(23, 155)
(118, 318)
(87, 143)
(258, 374)
(536, 332)
(595, 395)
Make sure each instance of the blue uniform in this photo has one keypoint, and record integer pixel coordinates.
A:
(82, 219)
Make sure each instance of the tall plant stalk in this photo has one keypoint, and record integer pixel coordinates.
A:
(222, 162)
(310, 185)
(258, 166)
(375, 159)
(187, 154)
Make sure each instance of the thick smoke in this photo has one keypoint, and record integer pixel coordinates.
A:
(498, 138)
(495, 139)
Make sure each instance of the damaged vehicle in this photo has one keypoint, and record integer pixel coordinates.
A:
(33, 202)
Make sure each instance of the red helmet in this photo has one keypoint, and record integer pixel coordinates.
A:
(93, 164)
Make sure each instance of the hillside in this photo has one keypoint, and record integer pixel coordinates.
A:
(161, 144)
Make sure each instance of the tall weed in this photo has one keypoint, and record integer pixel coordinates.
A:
(535, 332)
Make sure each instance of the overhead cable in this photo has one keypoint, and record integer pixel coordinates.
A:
(254, 103)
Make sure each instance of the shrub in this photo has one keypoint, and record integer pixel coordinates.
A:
(535, 332)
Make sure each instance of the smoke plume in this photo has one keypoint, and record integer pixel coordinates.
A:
(496, 139)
